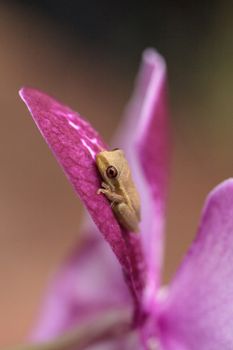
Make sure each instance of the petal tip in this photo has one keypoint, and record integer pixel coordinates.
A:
(21, 92)
(220, 197)
(224, 187)
(153, 58)
(24, 91)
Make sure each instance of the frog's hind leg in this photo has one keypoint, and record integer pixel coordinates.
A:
(126, 217)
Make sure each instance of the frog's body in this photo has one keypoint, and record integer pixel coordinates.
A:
(119, 188)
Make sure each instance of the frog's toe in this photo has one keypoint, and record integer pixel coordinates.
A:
(106, 186)
(100, 190)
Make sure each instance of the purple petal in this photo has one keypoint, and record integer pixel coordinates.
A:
(90, 282)
(75, 144)
(198, 312)
(145, 138)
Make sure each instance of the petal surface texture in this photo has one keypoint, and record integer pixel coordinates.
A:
(198, 312)
(144, 136)
(75, 144)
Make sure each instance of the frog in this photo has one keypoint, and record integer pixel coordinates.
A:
(119, 188)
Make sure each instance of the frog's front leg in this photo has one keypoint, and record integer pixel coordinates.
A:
(126, 216)
(110, 194)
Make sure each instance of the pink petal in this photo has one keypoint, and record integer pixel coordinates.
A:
(90, 282)
(75, 144)
(198, 312)
(64, 307)
(145, 138)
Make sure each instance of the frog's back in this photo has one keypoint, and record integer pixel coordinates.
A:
(131, 193)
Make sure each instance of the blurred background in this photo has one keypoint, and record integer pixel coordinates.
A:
(86, 53)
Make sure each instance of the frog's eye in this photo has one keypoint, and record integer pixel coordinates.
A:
(111, 172)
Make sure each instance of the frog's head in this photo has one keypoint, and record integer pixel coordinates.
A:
(110, 165)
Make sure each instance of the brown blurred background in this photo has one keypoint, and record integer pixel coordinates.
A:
(86, 53)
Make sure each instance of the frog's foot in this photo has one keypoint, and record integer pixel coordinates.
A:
(105, 189)
(102, 190)
(105, 186)
(108, 193)
(113, 197)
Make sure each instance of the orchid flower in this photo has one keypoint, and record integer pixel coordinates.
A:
(108, 293)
